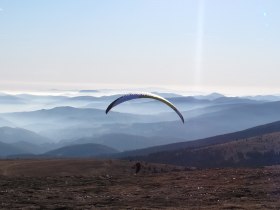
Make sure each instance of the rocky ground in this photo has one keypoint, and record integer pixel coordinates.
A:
(112, 184)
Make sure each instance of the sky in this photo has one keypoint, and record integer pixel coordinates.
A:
(204, 45)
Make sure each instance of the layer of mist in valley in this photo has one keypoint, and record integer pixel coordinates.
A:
(36, 124)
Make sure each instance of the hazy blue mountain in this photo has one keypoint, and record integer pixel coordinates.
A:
(257, 151)
(10, 99)
(234, 100)
(258, 146)
(214, 140)
(62, 122)
(7, 149)
(83, 98)
(204, 118)
(7, 123)
(196, 112)
(31, 102)
(12, 103)
(209, 124)
(211, 96)
(188, 99)
(49, 101)
(264, 97)
(41, 101)
(43, 98)
(30, 148)
(81, 150)
(124, 142)
(72, 115)
(13, 135)
(183, 103)
(72, 123)
(89, 91)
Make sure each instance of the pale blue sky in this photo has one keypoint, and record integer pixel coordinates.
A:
(185, 44)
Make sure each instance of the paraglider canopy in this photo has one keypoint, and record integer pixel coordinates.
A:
(132, 96)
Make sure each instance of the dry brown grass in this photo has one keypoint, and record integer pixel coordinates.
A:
(264, 143)
(111, 184)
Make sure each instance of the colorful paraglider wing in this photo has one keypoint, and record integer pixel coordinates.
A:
(132, 96)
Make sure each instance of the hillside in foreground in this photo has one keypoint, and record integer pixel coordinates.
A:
(263, 150)
(111, 184)
(261, 130)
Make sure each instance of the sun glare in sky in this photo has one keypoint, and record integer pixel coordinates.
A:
(184, 45)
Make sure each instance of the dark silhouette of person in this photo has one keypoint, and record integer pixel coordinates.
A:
(137, 167)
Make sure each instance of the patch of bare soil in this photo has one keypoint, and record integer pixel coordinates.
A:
(112, 184)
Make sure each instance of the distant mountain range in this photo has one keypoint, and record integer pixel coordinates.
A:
(124, 142)
(257, 146)
(47, 122)
(81, 150)
(8, 149)
(207, 118)
(68, 122)
(21, 141)
(225, 120)
(264, 97)
(12, 135)
(252, 147)
(211, 96)
(250, 152)
(214, 140)
(10, 99)
(4, 122)
(89, 91)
